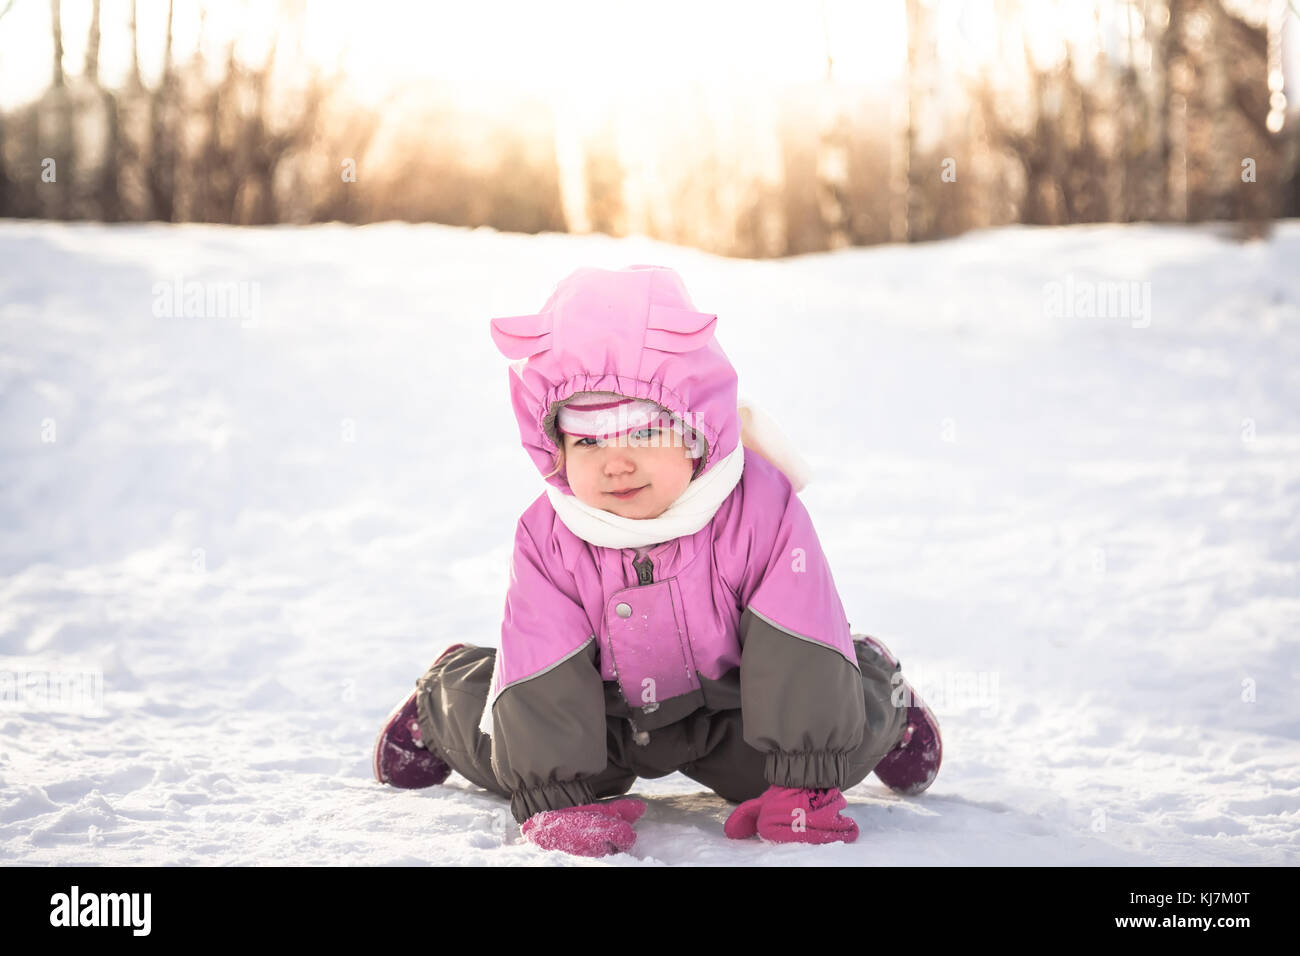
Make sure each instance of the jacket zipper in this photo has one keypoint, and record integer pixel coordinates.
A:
(644, 571)
(644, 575)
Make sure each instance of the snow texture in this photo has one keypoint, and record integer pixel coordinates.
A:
(1080, 535)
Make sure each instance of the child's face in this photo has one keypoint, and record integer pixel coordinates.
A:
(652, 459)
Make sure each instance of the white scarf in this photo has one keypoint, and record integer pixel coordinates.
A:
(697, 504)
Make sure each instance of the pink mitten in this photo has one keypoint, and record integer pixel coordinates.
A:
(592, 829)
(793, 815)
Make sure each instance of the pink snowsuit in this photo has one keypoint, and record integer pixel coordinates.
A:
(605, 650)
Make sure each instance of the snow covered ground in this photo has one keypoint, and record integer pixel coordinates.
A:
(1079, 530)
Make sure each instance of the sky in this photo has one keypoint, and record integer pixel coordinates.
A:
(491, 48)
(566, 49)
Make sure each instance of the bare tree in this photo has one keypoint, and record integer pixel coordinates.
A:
(164, 128)
(905, 185)
(4, 175)
(105, 197)
(59, 147)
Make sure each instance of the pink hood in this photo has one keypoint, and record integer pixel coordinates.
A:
(633, 331)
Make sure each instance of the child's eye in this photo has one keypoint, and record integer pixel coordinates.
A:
(582, 442)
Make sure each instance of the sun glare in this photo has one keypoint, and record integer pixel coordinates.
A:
(580, 50)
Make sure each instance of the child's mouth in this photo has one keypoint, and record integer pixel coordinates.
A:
(626, 494)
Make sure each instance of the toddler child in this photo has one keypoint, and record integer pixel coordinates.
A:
(669, 605)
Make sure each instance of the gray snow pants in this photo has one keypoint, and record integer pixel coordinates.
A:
(708, 745)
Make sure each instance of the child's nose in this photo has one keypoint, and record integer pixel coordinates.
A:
(618, 456)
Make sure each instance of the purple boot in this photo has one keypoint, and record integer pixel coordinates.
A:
(400, 757)
(914, 763)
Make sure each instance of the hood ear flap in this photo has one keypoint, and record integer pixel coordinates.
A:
(678, 330)
(521, 336)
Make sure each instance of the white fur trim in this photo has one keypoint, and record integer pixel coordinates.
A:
(760, 433)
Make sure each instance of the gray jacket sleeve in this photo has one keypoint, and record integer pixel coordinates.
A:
(803, 700)
(803, 705)
(548, 734)
(548, 730)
